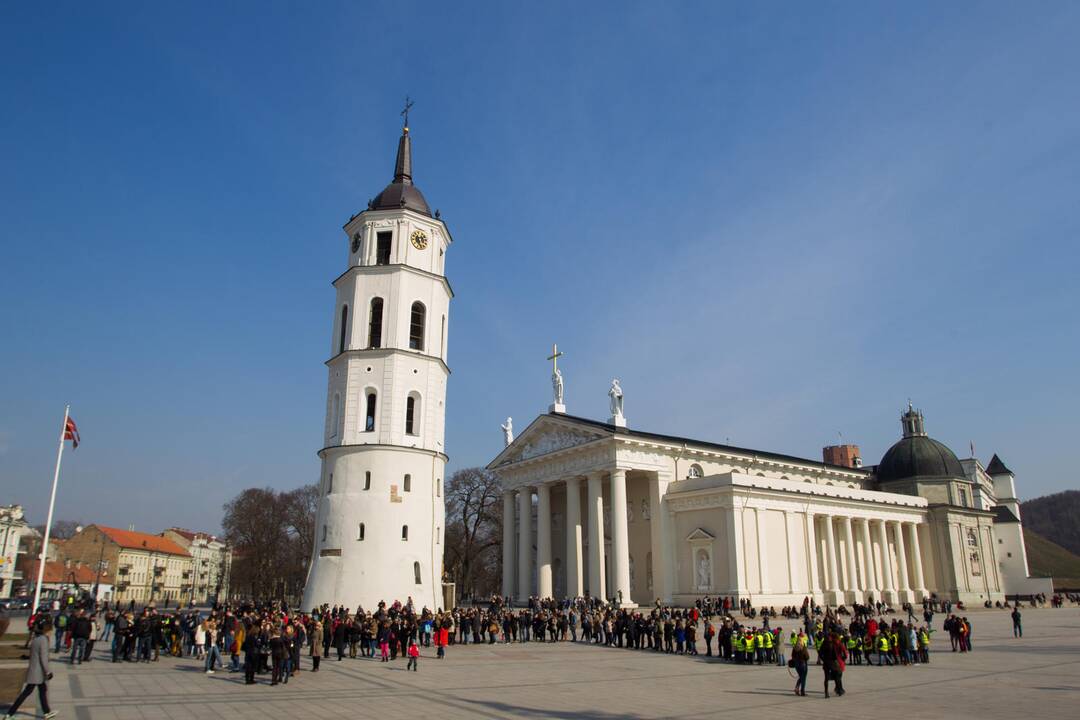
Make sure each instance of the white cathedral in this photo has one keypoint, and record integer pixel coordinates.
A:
(672, 519)
(379, 523)
(619, 513)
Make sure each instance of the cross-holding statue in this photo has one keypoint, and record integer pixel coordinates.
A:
(616, 396)
(508, 430)
(556, 380)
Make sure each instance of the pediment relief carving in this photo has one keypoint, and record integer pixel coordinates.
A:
(549, 440)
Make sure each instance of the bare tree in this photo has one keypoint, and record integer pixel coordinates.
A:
(61, 529)
(273, 534)
(473, 528)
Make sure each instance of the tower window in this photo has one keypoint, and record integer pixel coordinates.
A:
(404, 532)
(367, 480)
(438, 487)
(330, 484)
(437, 535)
(442, 338)
(360, 532)
(336, 415)
(324, 533)
(410, 414)
(416, 572)
(344, 328)
(382, 248)
(416, 326)
(375, 323)
(369, 421)
(408, 482)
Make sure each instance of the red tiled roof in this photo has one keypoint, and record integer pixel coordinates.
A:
(142, 541)
(56, 573)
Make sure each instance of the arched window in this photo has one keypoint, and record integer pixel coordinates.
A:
(360, 532)
(438, 487)
(408, 482)
(416, 572)
(695, 471)
(438, 537)
(374, 338)
(367, 480)
(324, 533)
(412, 409)
(336, 415)
(369, 413)
(416, 326)
(330, 484)
(442, 338)
(404, 532)
(344, 328)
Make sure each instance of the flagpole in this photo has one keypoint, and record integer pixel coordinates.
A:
(48, 522)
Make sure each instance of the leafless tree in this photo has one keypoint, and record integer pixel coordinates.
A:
(473, 529)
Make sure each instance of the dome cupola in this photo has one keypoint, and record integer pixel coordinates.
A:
(916, 454)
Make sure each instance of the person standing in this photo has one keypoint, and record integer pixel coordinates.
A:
(800, 658)
(832, 656)
(316, 646)
(37, 673)
(414, 655)
(80, 635)
(1018, 631)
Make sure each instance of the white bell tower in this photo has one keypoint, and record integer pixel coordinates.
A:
(380, 519)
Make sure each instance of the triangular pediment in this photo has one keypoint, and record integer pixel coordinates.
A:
(548, 434)
(700, 534)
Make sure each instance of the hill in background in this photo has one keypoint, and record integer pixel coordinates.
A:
(1055, 517)
(1047, 558)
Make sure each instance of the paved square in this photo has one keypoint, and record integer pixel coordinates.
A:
(1004, 678)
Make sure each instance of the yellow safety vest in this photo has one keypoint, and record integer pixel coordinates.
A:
(768, 641)
(883, 644)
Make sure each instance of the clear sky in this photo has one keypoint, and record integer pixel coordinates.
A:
(774, 222)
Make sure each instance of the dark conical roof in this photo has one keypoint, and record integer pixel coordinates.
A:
(996, 467)
(401, 193)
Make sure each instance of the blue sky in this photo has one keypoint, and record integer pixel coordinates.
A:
(775, 222)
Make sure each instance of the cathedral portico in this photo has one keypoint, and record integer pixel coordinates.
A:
(672, 519)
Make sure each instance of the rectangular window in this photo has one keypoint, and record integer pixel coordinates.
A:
(329, 489)
(410, 415)
(367, 480)
(369, 421)
(382, 248)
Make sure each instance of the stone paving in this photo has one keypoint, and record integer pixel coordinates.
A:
(1003, 678)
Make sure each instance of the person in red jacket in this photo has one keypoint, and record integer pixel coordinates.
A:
(414, 655)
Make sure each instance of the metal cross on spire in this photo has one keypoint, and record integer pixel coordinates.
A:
(405, 113)
(554, 358)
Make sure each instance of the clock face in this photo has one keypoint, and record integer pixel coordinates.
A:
(355, 242)
(419, 239)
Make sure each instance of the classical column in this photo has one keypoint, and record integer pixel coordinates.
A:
(852, 569)
(762, 552)
(870, 583)
(508, 544)
(525, 561)
(889, 591)
(735, 552)
(596, 536)
(620, 538)
(574, 585)
(660, 538)
(812, 553)
(543, 541)
(901, 564)
(792, 546)
(833, 596)
(916, 562)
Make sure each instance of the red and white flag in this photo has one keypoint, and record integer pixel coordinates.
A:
(72, 433)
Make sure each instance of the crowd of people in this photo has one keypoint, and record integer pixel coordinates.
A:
(269, 638)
